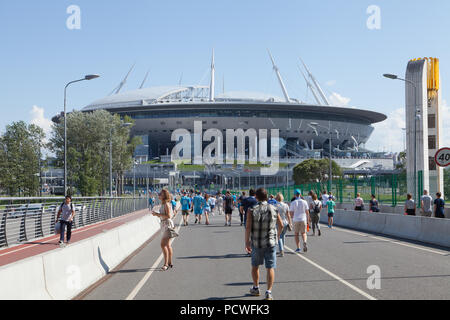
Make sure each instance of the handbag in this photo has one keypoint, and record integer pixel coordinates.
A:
(172, 233)
(58, 228)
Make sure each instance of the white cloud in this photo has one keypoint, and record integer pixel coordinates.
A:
(38, 118)
(338, 101)
(389, 135)
(330, 83)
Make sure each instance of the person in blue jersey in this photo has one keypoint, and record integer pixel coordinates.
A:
(198, 207)
(234, 200)
(241, 207)
(173, 202)
(186, 204)
(272, 201)
(206, 208)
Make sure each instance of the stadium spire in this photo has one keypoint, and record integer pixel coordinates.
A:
(283, 87)
(310, 86)
(122, 83)
(145, 79)
(212, 83)
(316, 84)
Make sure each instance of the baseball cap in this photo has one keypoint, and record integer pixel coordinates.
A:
(297, 192)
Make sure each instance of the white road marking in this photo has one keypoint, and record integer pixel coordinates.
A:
(365, 294)
(144, 280)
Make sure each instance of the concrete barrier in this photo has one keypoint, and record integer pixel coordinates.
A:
(63, 273)
(428, 230)
(435, 231)
(24, 281)
(71, 269)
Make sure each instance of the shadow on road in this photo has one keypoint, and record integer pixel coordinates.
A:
(227, 256)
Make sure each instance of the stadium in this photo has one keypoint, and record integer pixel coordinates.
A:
(306, 130)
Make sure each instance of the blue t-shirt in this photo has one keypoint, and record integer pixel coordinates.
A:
(174, 204)
(206, 205)
(198, 204)
(185, 203)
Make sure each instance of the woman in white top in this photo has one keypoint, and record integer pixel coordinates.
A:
(283, 211)
(165, 214)
(359, 203)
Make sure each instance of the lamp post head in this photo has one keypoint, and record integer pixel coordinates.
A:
(390, 76)
(91, 76)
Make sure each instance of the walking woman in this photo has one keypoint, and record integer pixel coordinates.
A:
(165, 215)
(207, 208)
(283, 211)
(314, 208)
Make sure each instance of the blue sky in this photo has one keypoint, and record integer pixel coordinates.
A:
(39, 54)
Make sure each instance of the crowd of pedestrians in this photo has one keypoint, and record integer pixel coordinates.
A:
(267, 220)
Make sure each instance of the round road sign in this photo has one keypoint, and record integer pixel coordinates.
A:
(442, 157)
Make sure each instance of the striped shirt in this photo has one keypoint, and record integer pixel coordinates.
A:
(264, 225)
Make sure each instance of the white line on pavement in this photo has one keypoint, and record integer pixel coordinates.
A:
(366, 295)
(144, 280)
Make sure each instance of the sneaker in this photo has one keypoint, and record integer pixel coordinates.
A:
(196, 220)
(61, 244)
(305, 248)
(268, 296)
(255, 292)
(298, 250)
(282, 254)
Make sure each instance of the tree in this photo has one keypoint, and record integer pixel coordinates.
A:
(315, 171)
(88, 141)
(20, 154)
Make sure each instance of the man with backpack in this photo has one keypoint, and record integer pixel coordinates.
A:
(67, 213)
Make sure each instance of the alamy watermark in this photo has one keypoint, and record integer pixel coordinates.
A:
(374, 280)
(374, 20)
(189, 146)
(73, 22)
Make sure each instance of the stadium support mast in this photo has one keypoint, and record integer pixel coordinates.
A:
(316, 84)
(145, 79)
(122, 83)
(283, 88)
(310, 87)
(212, 83)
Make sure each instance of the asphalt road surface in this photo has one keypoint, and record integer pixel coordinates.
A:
(210, 263)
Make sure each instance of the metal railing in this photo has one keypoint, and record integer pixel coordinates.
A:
(26, 219)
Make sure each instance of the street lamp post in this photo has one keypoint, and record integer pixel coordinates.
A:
(88, 77)
(416, 117)
(314, 125)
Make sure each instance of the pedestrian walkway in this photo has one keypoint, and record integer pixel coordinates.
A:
(210, 264)
(40, 246)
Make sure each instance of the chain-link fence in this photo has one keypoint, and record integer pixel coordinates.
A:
(388, 189)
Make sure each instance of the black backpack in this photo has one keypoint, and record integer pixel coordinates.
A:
(316, 208)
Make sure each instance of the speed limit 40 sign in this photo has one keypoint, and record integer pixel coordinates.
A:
(442, 157)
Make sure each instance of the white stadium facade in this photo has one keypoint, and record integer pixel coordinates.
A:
(305, 129)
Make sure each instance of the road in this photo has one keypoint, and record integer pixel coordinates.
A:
(210, 264)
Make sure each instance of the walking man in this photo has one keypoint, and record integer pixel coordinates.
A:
(67, 213)
(185, 207)
(263, 227)
(300, 215)
(228, 206)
